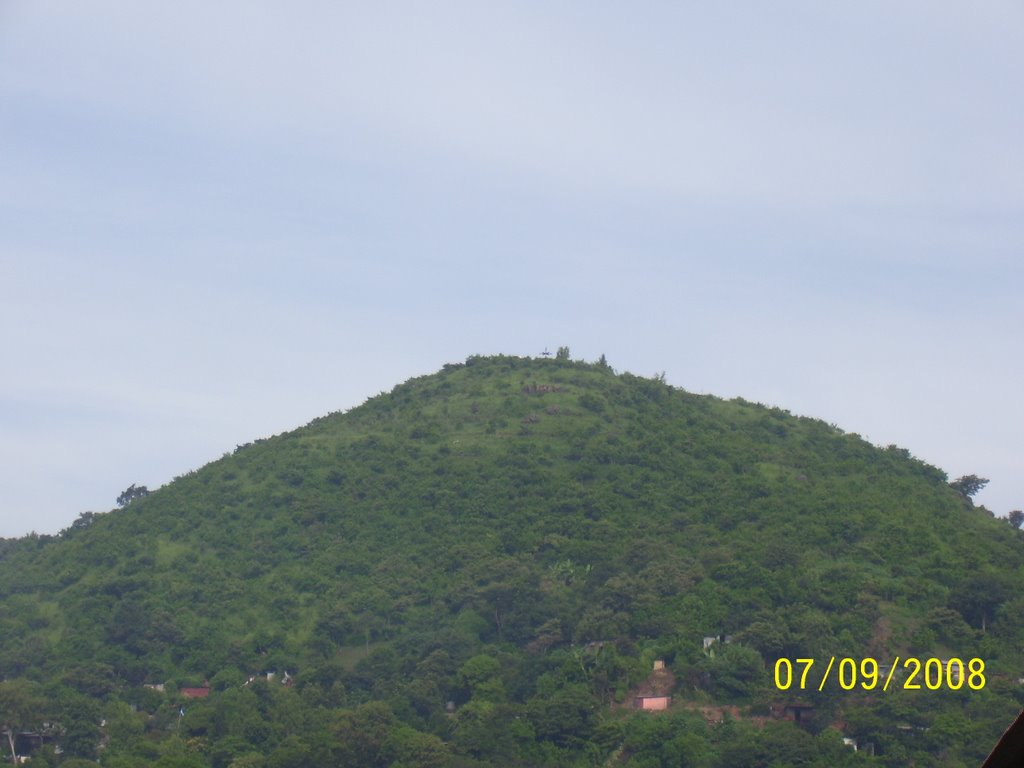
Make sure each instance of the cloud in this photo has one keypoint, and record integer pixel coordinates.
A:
(281, 210)
(796, 105)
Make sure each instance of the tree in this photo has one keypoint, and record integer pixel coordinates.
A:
(736, 671)
(131, 493)
(562, 353)
(84, 521)
(409, 747)
(1016, 518)
(968, 485)
(79, 719)
(20, 709)
(978, 598)
(566, 717)
(361, 733)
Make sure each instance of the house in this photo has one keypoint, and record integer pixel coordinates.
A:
(26, 743)
(196, 693)
(954, 673)
(286, 678)
(652, 703)
(655, 694)
(794, 711)
(711, 640)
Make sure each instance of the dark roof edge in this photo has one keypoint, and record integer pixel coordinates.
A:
(1009, 750)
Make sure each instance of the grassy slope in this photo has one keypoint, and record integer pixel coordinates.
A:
(521, 502)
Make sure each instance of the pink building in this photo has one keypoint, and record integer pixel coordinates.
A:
(652, 703)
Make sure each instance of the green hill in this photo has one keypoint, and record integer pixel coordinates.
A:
(479, 567)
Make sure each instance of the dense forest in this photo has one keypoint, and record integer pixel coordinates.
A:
(485, 566)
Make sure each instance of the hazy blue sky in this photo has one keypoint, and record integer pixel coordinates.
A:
(221, 220)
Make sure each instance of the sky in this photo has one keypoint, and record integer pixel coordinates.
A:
(219, 221)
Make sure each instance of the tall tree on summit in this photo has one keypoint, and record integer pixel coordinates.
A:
(968, 485)
(131, 493)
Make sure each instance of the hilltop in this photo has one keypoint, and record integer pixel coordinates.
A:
(477, 568)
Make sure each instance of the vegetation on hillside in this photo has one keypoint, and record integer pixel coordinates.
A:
(480, 567)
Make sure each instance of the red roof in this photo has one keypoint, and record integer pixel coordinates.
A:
(196, 693)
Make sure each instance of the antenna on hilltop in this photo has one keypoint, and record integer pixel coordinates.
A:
(545, 353)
